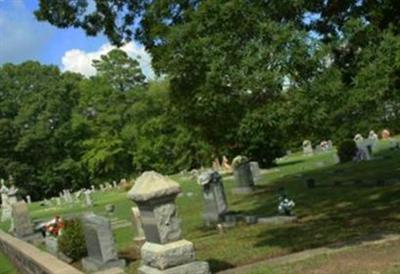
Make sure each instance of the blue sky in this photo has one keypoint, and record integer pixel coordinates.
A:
(23, 38)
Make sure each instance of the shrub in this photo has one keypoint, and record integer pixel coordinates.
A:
(72, 242)
(347, 150)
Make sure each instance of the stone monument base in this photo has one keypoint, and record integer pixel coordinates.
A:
(190, 268)
(92, 265)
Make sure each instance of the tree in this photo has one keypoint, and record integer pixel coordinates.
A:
(123, 73)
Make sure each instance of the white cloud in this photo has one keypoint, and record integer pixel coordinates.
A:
(80, 61)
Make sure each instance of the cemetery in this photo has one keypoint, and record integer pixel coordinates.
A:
(253, 228)
(199, 137)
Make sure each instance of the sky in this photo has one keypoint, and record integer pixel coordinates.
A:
(24, 38)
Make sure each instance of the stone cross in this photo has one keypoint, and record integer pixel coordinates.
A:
(215, 205)
(164, 251)
(100, 244)
(243, 176)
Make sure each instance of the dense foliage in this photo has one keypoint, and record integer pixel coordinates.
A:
(72, 242)
(241, 77)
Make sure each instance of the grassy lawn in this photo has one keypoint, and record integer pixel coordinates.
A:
(6, 266)
(346, 204)
(383, 259)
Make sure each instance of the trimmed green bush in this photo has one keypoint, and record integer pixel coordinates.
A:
(347, 150)
(72, 242)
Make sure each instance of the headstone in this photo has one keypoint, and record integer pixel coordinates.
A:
(88, 198)
(164, 251)
(307, 148)
(5, 204)
(12, 195)
(93, 188)
(58, 201)
(115, 184)
(225, 164)
(215, 205)
(385, 134)
(243, 176)
(51, 244)
(255, 171)
(100, 244)
(137, 222)
(28, 199)
(22, 224)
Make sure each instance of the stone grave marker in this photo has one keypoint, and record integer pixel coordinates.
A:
(28, 199)
(5, 204)
(255, 170)
(22, 224)
(243, 176)
(88, 198)
(165, 251)
(215, 204)
(100, 244)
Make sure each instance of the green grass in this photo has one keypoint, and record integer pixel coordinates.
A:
(327, 214)
(6, 266)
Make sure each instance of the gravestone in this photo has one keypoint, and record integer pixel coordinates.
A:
(93, 188)
(88, 198)
(28, 199)
(243, 176)
(100, 244)
(12, 195)
(115, 184)
(22, 224)
(164, 251)
(255, 170)
(58, 201)
(137, 222)
(5, 204)
(307, 148)
(215, 205)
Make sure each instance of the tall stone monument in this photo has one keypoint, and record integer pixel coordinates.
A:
(100, 244)
(243, 176)
(165, 252)
(215, 205)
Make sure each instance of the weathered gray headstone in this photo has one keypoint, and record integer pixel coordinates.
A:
(255, 170)
(164, 251)
(100, 244)
(28, 199)
(215, 205)
(5, 204)
(243, 176)
(88, 198)
(22, 224)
